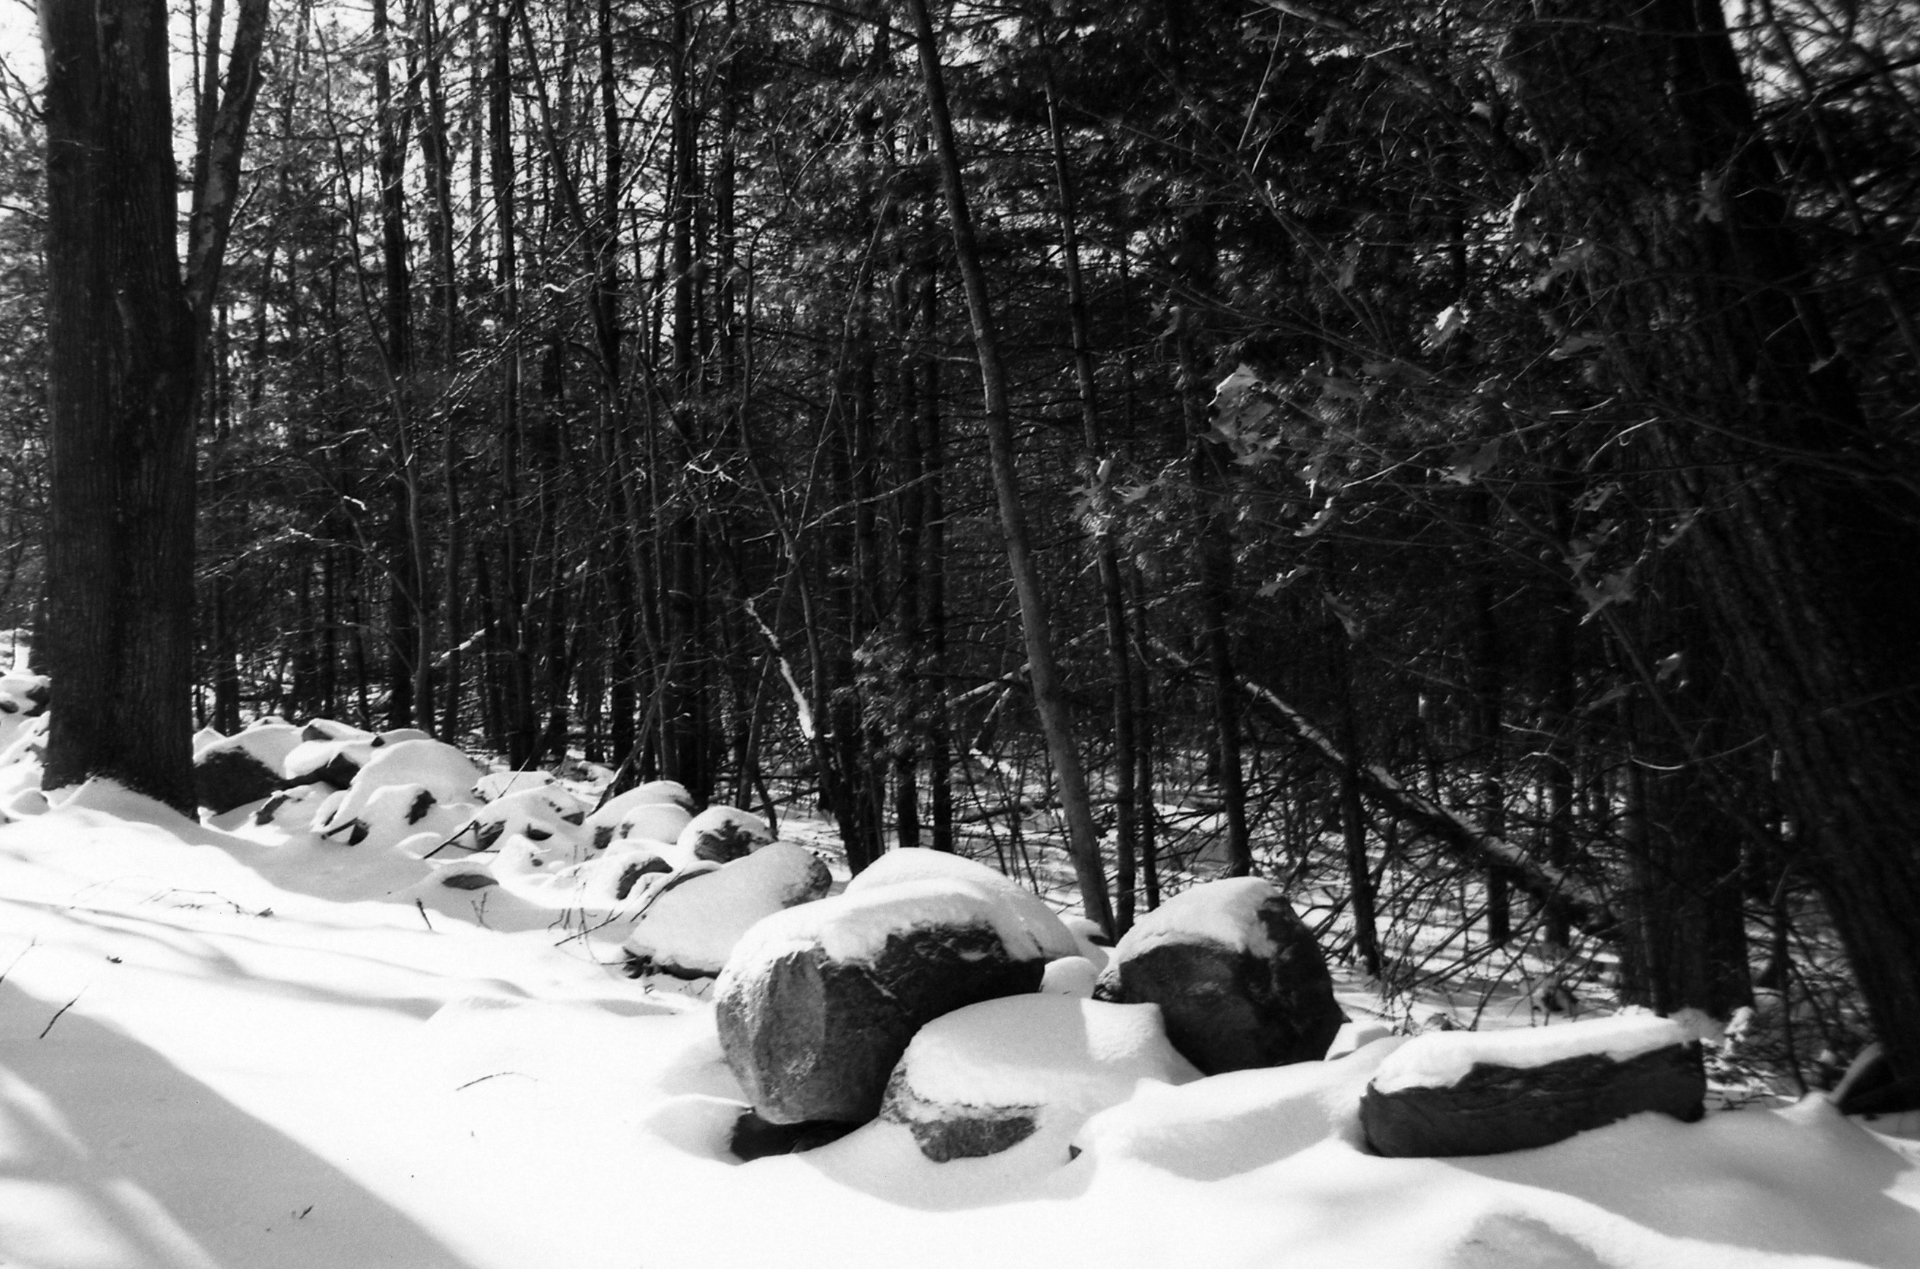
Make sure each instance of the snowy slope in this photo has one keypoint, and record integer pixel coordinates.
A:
(199, 1066)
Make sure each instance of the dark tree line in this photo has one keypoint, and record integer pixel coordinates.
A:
(1456, 458)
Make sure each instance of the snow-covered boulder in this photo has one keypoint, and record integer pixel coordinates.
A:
(623, 816)
(293, 808)
(918, 864)
(335, 761)
(23, 697)
(648, 821)
(688, 930)
(328, 729)
(818, 1002)
(723, 833)
(395, 791)
(985, 1078)
(1487, 1092)
(234, 770)
(538, 812)
(1240, 979)
(498, 784)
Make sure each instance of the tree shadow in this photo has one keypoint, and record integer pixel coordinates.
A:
(111, 1156)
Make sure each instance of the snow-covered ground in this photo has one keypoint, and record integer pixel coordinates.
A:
(219, 1049)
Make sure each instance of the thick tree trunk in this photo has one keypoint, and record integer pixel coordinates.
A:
(1803, 558)
(123, 332)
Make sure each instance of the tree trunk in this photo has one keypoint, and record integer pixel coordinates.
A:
(1803, 558)
(1083, 840)
(124, 330)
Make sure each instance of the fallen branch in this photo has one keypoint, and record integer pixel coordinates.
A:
(1557, 891)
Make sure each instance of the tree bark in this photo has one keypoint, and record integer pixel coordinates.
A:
(1803, 558)
(1083, 840)
(124, 333)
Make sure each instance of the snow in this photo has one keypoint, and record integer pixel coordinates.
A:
(1036, 924)
(214, 1052)
(1055, 1052)
(1440, 1059)
(654, 821)
(857, 924)
(1224, 912)
(695, 925)
(726, 825)
(268, 745)
(443, 770)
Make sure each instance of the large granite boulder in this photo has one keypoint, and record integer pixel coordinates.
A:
(1477, 1092)
(232, 771)
(1239, 978)
(817, 1003)
(985, 1078)
(687, 931)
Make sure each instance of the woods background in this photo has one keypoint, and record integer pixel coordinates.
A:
(1467, 448)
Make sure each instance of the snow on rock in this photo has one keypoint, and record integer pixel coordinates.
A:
(722, 833)
(1070, 976)
(206, 736)
(1240, 979)
(441, 768)
(397, 789)
(538, 812)
(293, 808)
(498, 784)
(22, 696)
(328, 729)
(334, 761)
(21, 763)
(231, 771)
(916, 864)
(984, 1078)
(649, 821)
(1470, 1092)
(1440, 1059)
(688, 930)
(658, 810)
(1095, 946)
(1242, 1120)
(817, 1003)
(385, 813)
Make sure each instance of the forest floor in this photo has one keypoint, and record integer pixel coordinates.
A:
(218, 1049)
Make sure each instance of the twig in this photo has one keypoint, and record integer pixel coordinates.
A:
(484, 1078)
(31, 944)
(56, 1016)
(423, 913)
